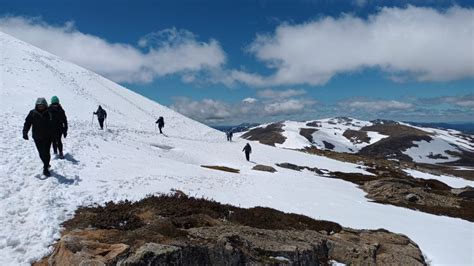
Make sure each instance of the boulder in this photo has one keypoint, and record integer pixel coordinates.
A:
(265, 168)
(412, 197)
(465, 192)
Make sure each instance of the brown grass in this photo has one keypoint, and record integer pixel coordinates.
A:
(308, 133)
(222, 168)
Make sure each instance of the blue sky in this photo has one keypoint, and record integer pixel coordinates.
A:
(225, 62)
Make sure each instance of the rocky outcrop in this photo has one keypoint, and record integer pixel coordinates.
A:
(264, 168)
(177, 230)
(80, 248)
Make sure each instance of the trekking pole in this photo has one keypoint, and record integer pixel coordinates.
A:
(92, 121)
(106, 124)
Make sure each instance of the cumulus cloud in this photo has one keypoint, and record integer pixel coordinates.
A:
(286, 107)
(463, 101)
(280, 94)
(375, 105)
(407, 43)
(249, 100)
(249, 109)
(206, 110)
(167, 52)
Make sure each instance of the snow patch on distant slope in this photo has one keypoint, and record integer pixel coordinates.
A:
(431, 152)
(454, 182)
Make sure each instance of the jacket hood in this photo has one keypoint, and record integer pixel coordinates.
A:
(41, 101)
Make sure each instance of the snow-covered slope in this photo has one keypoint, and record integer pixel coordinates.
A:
(129, 160)
(349, 135)
(28, 73)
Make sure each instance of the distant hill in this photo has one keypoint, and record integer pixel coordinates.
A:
(236, 128)
(467, 128)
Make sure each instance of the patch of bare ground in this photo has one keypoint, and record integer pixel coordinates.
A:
(268, 135)
(222, 168)
(180, 230)
(395, 129)
(355, 136)
(308, 133)
(393, 146)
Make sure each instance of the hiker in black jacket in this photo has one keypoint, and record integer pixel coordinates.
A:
(59, 125)
(40, 119)
(101, 116)
(247, 149)
(161, 123)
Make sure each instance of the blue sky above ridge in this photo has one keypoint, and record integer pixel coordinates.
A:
(225, 62)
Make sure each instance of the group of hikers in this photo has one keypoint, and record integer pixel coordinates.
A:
(49, 125)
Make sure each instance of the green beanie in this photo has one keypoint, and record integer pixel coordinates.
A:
(54, 99)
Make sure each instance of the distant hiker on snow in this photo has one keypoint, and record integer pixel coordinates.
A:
(101, 116)
(248, 150)
(229, 135)
(41, 120)
(161, 123)
(59, 125)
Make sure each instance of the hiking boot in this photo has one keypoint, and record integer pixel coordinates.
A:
(46, 172)
(61, 155)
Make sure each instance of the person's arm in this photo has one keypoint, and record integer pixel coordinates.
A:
(27, 125)
(65, 127)
(105, 114)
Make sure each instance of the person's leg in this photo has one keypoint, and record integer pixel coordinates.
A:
(247, 155)
(161, 132)
(101, 123)
(39, 148)
(55, 145)
(44, 146)
(59, 144)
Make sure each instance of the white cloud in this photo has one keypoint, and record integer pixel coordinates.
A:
(168, 52)
(206, 110)
(286, 107)
(249, 109)
(464, 101)
(249, 100)
(377, 105)
(414, 42)
(280, 94)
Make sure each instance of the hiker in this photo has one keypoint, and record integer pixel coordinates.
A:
(101, 116)
(161, 123)
(227, 134)
(40, 119)
(59, 125)
(247, 149)
(231, 134)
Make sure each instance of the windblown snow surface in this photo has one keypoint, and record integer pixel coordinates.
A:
(129, 160)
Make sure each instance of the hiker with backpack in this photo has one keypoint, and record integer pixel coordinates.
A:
(101, 116)
(161, 123)
(40, 119)
(59, 125)
(247, 149)
(229, 135)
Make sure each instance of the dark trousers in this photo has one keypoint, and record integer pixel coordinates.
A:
(247, 156)
(44, 146)
(57, 143)
(101, 123)
(160, 127)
